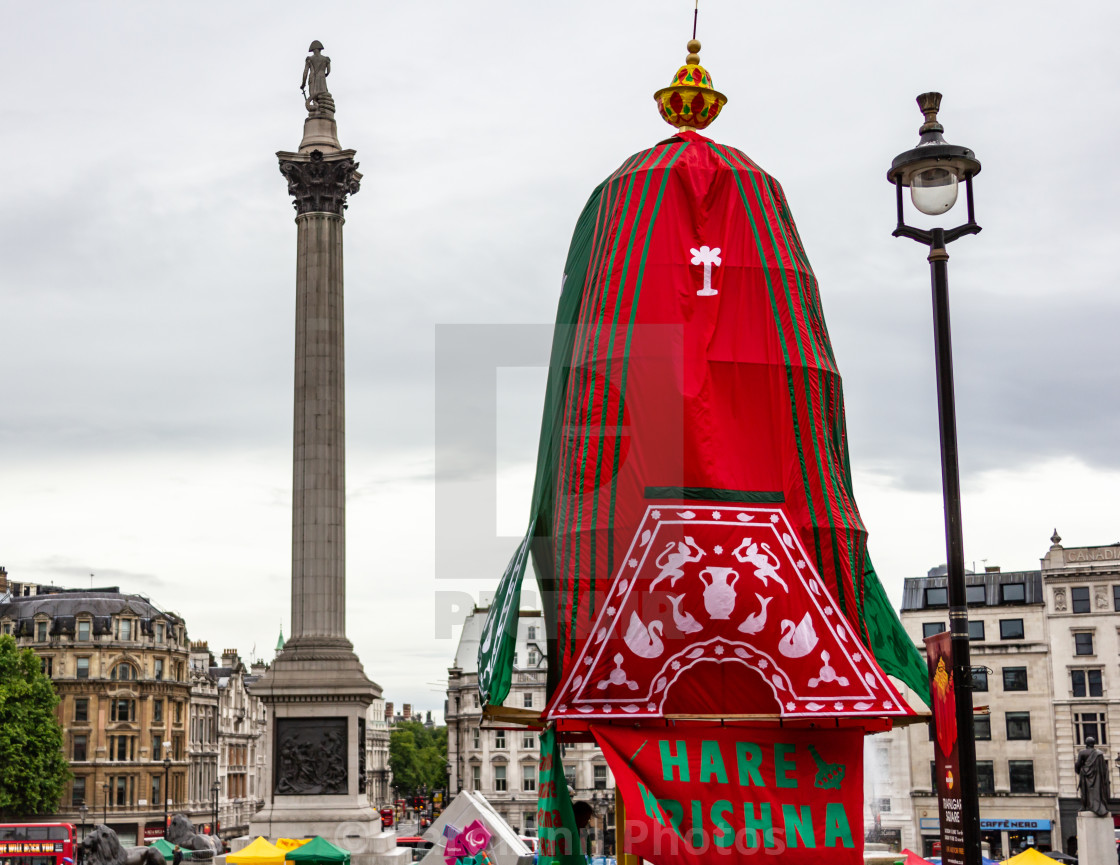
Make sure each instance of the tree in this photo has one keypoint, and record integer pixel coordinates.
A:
(33, 770)
(418, 757)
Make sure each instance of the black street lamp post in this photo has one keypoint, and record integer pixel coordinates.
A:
(84, 811)
(216, 788)
(933, 170)
(105, 805)
(166, 779)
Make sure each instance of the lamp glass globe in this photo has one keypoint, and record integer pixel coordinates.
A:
(934, 190)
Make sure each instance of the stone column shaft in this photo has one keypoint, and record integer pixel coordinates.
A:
(319, 468)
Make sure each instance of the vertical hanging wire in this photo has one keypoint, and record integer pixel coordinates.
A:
(695, 15)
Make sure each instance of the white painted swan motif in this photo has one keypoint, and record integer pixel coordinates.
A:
(797, 641)
(645, 641)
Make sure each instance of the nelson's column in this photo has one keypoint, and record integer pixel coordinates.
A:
(316, 691)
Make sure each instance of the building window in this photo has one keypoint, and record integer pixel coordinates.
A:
(1086, 724)
(534, 657)
(1018, 725)
(1079, 595)
(529, 778)
(124, 672)
(80, 749)
(476, 739)
(499, 739)
(83, 630)
(476, 777)
(157, 669)
(982, 727)
(122, 749)
(1011, 629)
(884, 805)
(1087, 683)
(1022, 775)
(1014, 678)
(1013, 593)
(529, 821)
(1116, 598)
(570, 775)
(986, 777)
(178, 713)
(476, 701)
(500, 779)
(976, 595)
(975, 630)
(122, 710)
(83, 668)
(938, 597)
(122, 791)
(47, 666)
(931, 628)
(1083, 643)
(41, 632)
(932, 775)
(600, 777)
(532, 632)
(159, 632)
(527, 699)
(157, 711)
(124, 629)
(529, 740)
(156, 791)
(81, 710)
(78, 793)
(979, 678)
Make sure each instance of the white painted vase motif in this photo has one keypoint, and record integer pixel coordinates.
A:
(719, 593)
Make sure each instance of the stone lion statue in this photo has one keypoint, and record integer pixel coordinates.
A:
(181, 832)
(102, 847)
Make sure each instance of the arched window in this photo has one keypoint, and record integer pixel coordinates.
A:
(124, 672)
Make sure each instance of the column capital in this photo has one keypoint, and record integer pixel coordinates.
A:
(320, 182)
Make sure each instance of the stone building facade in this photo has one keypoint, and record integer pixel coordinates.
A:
(1082, 594)
(378, 777)
(1017, 766)
(500, 761)
(120, 667)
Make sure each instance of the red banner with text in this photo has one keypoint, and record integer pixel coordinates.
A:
(704, 794)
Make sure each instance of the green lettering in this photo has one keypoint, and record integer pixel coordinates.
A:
(798, 825)
(748, 768)
(671, 761)
(696, 834)
(711, 763)
(724, 835)
(676, 813)
(836, 826)
(763, 822)
(650, 804)
(783, 766)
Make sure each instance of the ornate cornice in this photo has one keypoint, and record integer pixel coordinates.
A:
(320, 184)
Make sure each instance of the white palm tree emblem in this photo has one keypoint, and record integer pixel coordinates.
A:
(706, 257)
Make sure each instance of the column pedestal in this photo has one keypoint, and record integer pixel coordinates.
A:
(1096, 842)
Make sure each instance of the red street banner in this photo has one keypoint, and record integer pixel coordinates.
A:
(704, 795)
(947, 764)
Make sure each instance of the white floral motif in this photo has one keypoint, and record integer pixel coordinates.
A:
(828, 611)
(857, 657)
(676, 665)
(715, 515)
(610, 611)
(763, 664)
(633, 563)
(718, 549)
(652, 707)
(656, 515)
(773, 518)
(791, 706)
(800, 563)
(719, 650)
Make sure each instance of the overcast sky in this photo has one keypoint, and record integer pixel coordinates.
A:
(147, 277)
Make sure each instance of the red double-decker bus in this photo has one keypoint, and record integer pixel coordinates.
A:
(37, 844)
